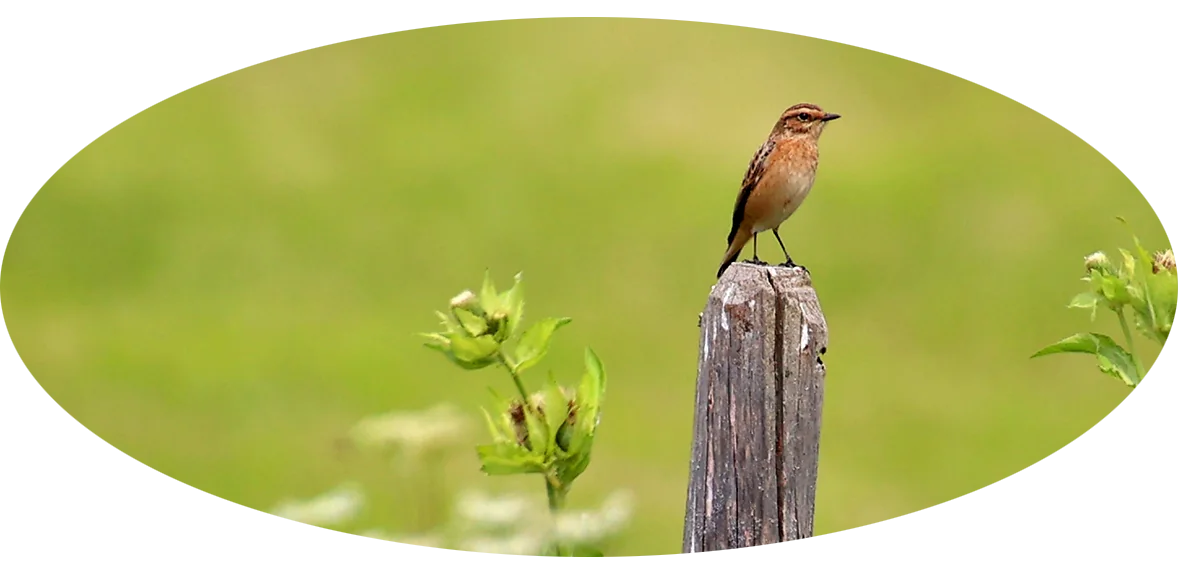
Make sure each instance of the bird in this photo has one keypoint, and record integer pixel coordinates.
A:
(777, 180)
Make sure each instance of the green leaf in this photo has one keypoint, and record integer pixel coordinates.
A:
(1114, 290)
(588, 401)
(1144, 313)
(502, 311)
(473, 324)
(540, 442)
(470, 365)
(489, 298)
(1113, 359)
(564, 439)
(448, 323)
(534, 343)
(1159, 307)
(1129, 270)
(1151, 295)
(437, 341)
(499, 436)
(1095, 278)
(1087, 300)
(556, 410)
(514, 302)
(560, 422)
(1117, 369)
(571, 467)
(1143, 254)
(1162, 294)
(474, 352)
(505, 459)
(593, 385)
(1077, 343)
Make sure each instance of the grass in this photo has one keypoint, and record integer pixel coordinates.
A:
(222, 285)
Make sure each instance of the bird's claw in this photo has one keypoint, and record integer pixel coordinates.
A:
(793, 265)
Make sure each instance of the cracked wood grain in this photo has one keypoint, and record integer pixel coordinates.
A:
(756, 429)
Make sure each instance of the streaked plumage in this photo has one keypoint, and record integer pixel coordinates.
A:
(778, 179)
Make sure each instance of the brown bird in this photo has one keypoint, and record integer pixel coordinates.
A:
(777, 180)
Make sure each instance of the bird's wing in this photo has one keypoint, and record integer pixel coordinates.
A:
(754, 173)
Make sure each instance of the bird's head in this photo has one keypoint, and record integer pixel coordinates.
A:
(805, 120)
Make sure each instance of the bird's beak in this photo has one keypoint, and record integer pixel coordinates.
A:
(829, 117)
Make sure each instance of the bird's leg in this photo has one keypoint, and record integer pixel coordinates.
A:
(756, 260)
(787, 258)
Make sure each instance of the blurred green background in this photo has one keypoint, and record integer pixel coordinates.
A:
(225, 283)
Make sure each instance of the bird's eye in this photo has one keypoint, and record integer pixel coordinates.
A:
(803, 116)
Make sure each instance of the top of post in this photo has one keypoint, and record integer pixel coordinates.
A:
(749, 274)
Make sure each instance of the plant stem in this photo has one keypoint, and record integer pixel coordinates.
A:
(557, 499)
(553, 490)
(1123, 323)
(516, 378)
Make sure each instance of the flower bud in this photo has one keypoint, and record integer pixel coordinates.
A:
(1164, 260)
(537, 402)
(516, 414)
(466, 300)
(566, 431)
(498, 325)
(1097, 260)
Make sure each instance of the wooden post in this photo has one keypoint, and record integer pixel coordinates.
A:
(756, 430)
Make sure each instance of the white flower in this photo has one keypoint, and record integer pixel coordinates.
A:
(413, 431)
(520, 544)
(580, 527)
(617, 509)
(334, 507)
(591, 526)
(463, 300)
(502, 511)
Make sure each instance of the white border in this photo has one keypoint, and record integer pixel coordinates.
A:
(1104, 505)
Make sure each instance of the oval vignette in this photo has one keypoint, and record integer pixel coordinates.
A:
(227, 283)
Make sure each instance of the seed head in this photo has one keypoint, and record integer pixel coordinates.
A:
(1164, 260)
(1097, 260)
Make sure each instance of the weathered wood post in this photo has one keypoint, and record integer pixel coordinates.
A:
(756, 430)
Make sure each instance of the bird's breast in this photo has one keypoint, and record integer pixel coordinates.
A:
(779, 194)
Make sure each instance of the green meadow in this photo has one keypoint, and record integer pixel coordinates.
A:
(227, 282)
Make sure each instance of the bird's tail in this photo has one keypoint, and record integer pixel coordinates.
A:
(737, 242)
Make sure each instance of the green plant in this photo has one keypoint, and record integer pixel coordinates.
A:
(1147, 285)
(548, 431)
(417, 446)
(418, 441)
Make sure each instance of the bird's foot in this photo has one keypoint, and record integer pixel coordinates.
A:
(793, 265)
(756, 261)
